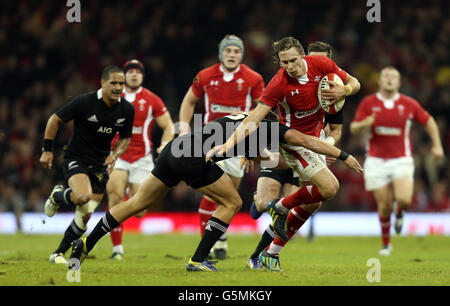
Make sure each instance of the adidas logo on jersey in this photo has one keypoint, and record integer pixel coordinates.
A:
(93, 118)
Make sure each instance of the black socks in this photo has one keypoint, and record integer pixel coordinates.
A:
(213, 230)
(106, 224)
(72, 233)
(267, 237)
(62, 198)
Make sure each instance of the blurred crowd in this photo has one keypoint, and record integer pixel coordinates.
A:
(45, 61)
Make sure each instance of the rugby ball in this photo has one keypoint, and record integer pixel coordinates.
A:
(323, 84)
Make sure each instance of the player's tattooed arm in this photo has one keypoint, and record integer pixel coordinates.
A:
(121, 147)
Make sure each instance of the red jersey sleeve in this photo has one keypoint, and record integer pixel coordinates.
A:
(329, 66)
(420, 114)
(158, 107)
(272, 94)
(363, 110)
(197, 86)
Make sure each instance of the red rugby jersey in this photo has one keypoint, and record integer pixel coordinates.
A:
(390, 135)
(296, 98)
(224, 93)
(147, 106)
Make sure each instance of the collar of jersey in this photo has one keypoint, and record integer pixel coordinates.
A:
(138, 91)
(228, 76)
(99, 95)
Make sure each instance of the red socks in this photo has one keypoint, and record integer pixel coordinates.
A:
(305, 195)
(116, 235)
(206, 210)
(385, 230)
(296, 218)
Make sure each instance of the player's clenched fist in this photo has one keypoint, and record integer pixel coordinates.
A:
(46, 159)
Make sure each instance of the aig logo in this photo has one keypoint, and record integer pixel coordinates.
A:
(104, 130)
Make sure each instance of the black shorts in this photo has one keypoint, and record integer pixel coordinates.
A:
(194, 171)
(98, 175)
(282, 176)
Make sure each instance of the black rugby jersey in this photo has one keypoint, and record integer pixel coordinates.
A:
(196, 144)
(95, 125)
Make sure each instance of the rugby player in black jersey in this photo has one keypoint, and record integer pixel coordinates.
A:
(97, 117)
(184, 159)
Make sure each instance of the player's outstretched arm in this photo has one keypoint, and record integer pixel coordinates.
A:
(296, 138)
(247, 126)
(51, 129)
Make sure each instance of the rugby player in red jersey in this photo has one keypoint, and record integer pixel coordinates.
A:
(137, 162)
(227, 87)
(275, 182)
(294, 89)
(389, 166)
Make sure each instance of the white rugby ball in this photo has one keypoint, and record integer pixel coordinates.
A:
(323, 84)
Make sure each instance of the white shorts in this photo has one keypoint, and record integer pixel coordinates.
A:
(304, 162)
(232, 166)
(138, 170)
(379, 172)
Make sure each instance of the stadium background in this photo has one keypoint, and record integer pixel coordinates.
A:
(45, 61)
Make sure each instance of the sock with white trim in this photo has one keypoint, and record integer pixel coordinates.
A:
(214, 229)
(72, 233)
(106, 224)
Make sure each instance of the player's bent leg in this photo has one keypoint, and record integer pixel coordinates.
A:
(266, 189)
(150, 192)
(229, 202)
(225, 195)
(81, 188)
(326, 183)
(115, 188)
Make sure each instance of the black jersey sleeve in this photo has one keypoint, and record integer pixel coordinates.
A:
(337, 118)
(127, 129)
(72, 109)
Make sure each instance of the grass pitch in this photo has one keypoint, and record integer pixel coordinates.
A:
(160, 260)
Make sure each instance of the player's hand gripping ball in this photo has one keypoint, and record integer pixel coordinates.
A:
(323, 84)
